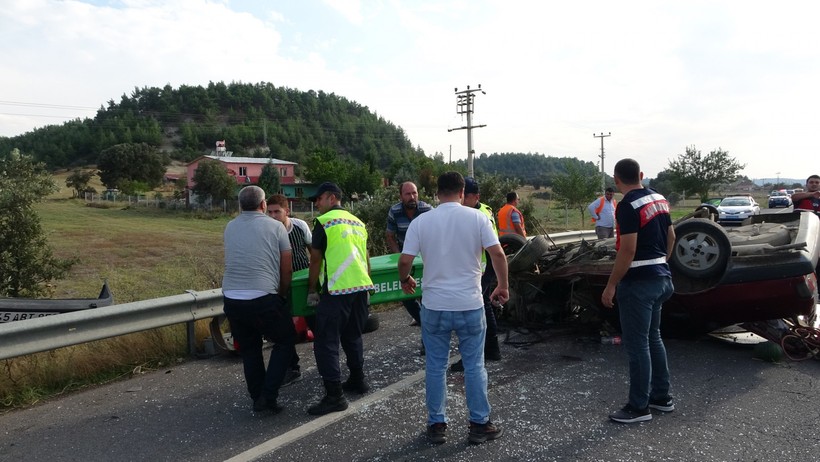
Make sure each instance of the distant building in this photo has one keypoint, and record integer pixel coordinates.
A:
(246, 170)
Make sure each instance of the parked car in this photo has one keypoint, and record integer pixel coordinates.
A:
(735, 209)
(752, 273)
(779, 199)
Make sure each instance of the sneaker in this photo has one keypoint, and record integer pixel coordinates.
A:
(291, 377)
(631, 415)
(480, 433)
(664, 404)
(437, 433)
(457, 366)
(263, 404)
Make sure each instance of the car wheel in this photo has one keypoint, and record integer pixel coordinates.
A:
(512, 243)
(701, 250)
(528, 255)
(371, 324)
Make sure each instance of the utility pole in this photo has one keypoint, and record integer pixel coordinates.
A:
(464, 105)
(603, 172)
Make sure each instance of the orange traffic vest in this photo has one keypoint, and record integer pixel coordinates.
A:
(600, 206)
(505, 223)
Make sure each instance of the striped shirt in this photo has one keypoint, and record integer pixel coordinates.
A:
(299, 237)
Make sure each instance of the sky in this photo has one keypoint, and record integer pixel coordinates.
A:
(658, 76)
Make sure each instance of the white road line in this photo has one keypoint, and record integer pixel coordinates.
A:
(317, 424)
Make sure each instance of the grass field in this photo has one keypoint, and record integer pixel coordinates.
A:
(143, 252)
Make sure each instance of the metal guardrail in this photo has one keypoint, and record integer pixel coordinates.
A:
(569, 237)
(50, 332)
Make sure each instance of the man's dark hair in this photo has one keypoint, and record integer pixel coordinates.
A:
(278, 199)
(628, 171)
(511, 197)
(817, 177)
(250, 197)
(610, 190)
(450, 183)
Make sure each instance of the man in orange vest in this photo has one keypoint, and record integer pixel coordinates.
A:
(602, 211)
(510, 219)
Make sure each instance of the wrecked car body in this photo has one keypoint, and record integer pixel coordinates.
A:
(761, 270)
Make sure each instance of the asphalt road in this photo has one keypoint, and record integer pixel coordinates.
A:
(552, 397)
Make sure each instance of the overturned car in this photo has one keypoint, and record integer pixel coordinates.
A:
(759, 271)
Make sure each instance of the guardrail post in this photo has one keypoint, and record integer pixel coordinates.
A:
(191, 325)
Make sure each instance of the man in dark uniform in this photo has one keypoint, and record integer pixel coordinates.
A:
(645, 237)
(339, 251)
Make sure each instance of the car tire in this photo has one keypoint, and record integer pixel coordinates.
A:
(528, 255)
(371, 324)
(512, 243)
(702, 249)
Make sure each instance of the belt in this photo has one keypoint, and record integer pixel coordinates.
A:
(654, 261)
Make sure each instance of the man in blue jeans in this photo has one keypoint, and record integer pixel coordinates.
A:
(645, 237)
(451, 240)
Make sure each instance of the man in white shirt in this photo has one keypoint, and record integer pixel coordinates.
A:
(451, 240)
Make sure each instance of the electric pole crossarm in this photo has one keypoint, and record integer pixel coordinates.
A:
(603, 172)
(464, 105)
(465, 127)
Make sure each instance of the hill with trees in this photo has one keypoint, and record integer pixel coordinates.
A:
(257, 120)
(534, 169)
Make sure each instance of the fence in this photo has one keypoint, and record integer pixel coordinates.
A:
(49, 332)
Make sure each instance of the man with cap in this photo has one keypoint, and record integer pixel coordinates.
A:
(339, 251)
(398, 220)
(492, 352)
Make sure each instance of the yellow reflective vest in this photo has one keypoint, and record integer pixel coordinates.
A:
(345, 263)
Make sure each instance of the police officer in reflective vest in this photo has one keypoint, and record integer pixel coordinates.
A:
(339, 251)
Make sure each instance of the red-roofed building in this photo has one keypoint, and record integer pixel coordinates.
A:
(246, 170)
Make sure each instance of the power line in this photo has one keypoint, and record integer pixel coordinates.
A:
(43, 105)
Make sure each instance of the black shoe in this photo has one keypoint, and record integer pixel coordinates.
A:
(327, 405)
(263, 404)
(291, 377)
(480, 433)
(664, 405)
(631, 415)
(437, 433)
(356, 385)
(457, 366)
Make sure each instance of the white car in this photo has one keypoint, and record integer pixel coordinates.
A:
(736, 209)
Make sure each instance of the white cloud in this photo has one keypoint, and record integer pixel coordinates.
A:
(658, 75)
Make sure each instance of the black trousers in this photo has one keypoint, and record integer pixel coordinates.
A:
(252, 320)
(340, 319)
(487, 280)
